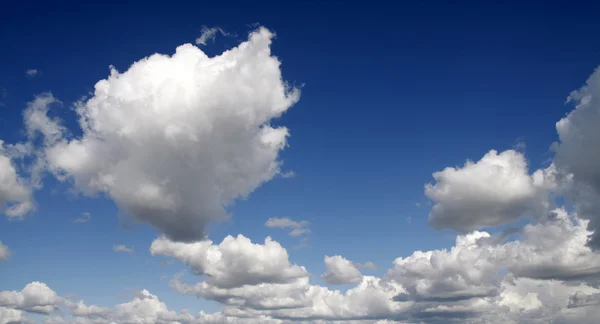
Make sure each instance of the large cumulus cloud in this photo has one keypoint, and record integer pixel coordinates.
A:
(578, 152)
(175, 139)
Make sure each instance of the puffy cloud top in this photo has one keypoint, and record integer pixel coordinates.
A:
(493, 191)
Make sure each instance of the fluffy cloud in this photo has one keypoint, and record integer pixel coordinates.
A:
(555, 249)
(4, 252)
(493, 191)
(298, 228)
(15, 196)
(340, 271)
(465, 271)
(175, 139)
(36, 297)
(123, 248)
(235, 262)
(578, 152)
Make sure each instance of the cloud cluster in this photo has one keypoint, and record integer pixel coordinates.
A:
(174, 139)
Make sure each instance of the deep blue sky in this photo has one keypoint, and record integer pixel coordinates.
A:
(392, 93)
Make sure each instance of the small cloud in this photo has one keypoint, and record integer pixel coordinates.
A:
(299, 231)
(418, 204)
(298, 228)
(32, 72)
(4, 252)
(209, 34)
(123, 248)
(520, 145)
(85, 217)
(369, 265)
(289, 174)
(409, 219)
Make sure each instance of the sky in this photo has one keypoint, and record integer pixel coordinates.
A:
(306, 162)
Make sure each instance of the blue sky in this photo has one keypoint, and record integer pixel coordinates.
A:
(390, 94)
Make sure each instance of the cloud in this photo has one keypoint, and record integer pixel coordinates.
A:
(235, 262)
(81, 309)
(493, 191)
(465, 271)
(340, 271)
(205, 123)
(85, 217)
(16, 198)
(123, 248)
(298, 228)
(144, 307)
(4, 252)
(36, 297)
(31, 72)
(209, 34)
(368, 265)
(578, 152)
(580, 299)
(555, 249)
(12, 316)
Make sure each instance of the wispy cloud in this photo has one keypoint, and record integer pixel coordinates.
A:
(298, 228)
(85, 217)
(369, 265)
(209, 34)
(123, 248)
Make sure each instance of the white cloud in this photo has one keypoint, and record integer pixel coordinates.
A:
(12, 316)
(15, 196)
(578, 152)
(31, 72)
(463, 272)
(4, 252)
(36, 297)
(123, 248)
(340, 271)
(175, 139)
(209, 34)
(234, 262)
(298, 228)
(85, 217)
(493, 191)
